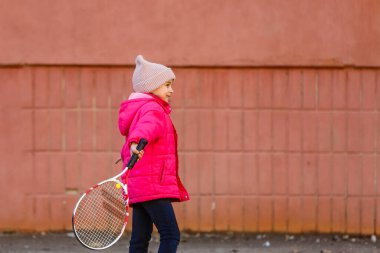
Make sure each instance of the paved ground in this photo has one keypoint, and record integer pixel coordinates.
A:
(200, 243)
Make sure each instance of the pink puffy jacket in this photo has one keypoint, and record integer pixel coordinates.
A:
(155, 176)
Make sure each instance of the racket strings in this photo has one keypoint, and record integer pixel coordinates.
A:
(101, 216)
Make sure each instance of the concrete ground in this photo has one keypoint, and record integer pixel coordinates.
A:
(200, 243)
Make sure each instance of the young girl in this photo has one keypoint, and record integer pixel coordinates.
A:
(154, 182)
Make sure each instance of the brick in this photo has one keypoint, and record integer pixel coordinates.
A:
(377, 89)
(368, 128)
(179, 211)
(87, 125)
(279, 120)
(368, 80)
(295, 174)
(324, 131)
(192, 215)
(339, 91)
(220, 131)
(72, 130)
(294, 123)
(309, 174)
(87, 87)
(21, 135)
(377, 224)
(353, 89)
(250, 174)
(264, 138)
(206, 173)
(222, 206)
(71, 90)
(192, 89)
(280, 89)
(339, 130)
(265, 174)
(207, 84)
(250, 130)
(309, 89)
(177, 100)
(56, 173)
(367, 217)
(191, 130)
(309, 130)
(221, 174)
(206, 213)
(309, 214)
(250, 214)
(177, 117)
(41, 87)
(295, 89)
(324, 174)
(235, 130)
(235, 88)
(324, 214)
(339, 174)
(42, 173)
(354, 168)
(69, 203)
(338, 222)
(280, 173)
(369, 175)
(56, 129)
(55, 94)
(87, 165)
(26, 166)
(354, 133)
(27, 207)
(72, 176)
(41, 130)
(294, 215)
(250, 88)
(102, 167)
(25, 81)
(192, 172)
(118, 86)
(58, 217)
(220, 89)
(102, 130)
(206, 131)
(353, 212)
(236, 214)
(265, 214)
(102, 90)
(280, 214)
(324, 89)
(236, 170)
(42, 213)
(265, 89)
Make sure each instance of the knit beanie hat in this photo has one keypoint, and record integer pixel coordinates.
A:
(148, 76)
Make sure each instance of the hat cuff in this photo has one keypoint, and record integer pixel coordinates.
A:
(156, 81)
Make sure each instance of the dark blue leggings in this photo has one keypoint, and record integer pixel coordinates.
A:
(161, 213)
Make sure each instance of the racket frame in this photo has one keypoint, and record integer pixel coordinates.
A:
(113, 179)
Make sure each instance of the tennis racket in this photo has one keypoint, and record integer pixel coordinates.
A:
(101, 213)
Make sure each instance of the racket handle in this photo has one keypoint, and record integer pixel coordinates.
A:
(134, 157)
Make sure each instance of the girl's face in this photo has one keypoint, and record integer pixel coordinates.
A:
(165, 91)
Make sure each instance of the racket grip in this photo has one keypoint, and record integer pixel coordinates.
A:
(134, 157)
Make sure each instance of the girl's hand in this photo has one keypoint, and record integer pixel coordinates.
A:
(135, 151)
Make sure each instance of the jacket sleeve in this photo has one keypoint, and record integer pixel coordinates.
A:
(149, 126)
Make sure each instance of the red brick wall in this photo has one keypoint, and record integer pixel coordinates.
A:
(285, 150)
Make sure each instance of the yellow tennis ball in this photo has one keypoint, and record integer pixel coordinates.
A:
(118, 186)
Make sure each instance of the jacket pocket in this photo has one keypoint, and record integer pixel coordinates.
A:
(162, 176)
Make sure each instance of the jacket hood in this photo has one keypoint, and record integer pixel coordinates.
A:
(130, 107)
